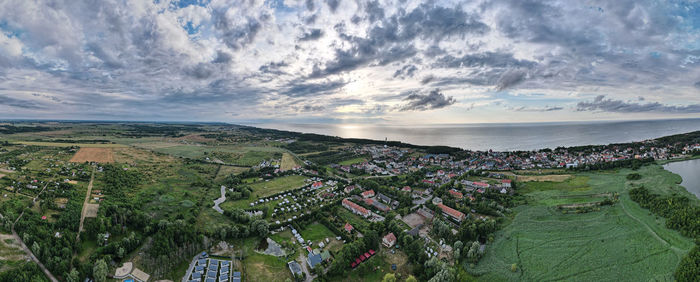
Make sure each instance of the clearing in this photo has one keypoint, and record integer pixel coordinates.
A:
(548, 177)
(274, 186)
(623, 240)
(62, 144)
(288, 162)
(99, 155)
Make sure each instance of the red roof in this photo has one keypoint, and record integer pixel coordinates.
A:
(452, 212)
(406, 188)
(353, 264)
(317, 184)
(367, 255)
(371, 252)
(456, 194)
(348, 227)
(355, 207)
(390, 237)
(362, 257)
(506, 181)
(357, 261)
(369, 193)
(482, 184)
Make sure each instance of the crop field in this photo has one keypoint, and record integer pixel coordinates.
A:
(623, 240)
(288, 162)
(233, 155)
(62, 144)
(99, 155)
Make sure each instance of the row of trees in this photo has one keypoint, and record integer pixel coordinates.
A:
(680, 215)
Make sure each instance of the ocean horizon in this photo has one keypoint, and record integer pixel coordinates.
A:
(503, 136)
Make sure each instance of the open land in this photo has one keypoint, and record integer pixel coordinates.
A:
(98, 155)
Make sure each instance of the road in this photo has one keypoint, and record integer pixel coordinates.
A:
(24, 247)
(87, 199)
(304, 268)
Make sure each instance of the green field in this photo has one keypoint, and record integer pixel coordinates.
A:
(316, 232)
(352, 161)
(623, 241)
(267, 188)
(59, 144)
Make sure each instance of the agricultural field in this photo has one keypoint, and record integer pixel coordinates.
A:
(288, 162)
(64, 144)
(98, 155)
(623, 240)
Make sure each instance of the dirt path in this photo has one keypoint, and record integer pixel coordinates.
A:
(304, 268)
(24, 247)
(85, 203)
(675, 249)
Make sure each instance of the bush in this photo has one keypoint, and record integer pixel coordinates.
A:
(634, 176)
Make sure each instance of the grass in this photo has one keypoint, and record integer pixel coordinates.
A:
(316, 232)
(288, 162)
(623, 239)
(267, 188)
(260, 267)
(60, 144)
(352, 161)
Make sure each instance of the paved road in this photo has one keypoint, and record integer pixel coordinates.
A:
(87, 199)
(24, 247)
(304, 268)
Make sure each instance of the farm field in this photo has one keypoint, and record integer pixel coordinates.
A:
(233, 155)
(99, 155)
(288, 162)
(62, 144)
(623, 240)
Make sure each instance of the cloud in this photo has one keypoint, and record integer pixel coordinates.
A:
(19, 103)
(618, 106)
(314, 34)
(510, 79)
(424, 102)
(333, 4)
(308, 89)
(544, 109)
(697, 85)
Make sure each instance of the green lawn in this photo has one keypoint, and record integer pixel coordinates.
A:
(623, 241)
(316, 232)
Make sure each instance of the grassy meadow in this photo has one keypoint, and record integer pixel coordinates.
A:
(622, 241)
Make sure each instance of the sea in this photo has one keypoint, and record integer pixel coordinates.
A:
(503, 136)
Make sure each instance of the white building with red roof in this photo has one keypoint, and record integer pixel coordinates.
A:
(355, 208)
(368, 194)
(453, 213)
(389, 240)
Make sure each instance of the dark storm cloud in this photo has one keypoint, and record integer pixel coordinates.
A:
(619, 106)
(424, 102)
(222, 58)
(314, 34)
(697, 85)
(200, 71)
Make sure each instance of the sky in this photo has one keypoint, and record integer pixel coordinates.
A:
(349, 61)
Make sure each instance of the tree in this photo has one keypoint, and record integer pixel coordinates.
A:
(411, 279)
(260, 227)
(36, 249)
(73, 276)
(99, 271)
(389, 277)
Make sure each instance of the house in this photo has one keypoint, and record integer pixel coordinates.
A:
(406, 189)
(456, 194)
(348, 227)
(295, 268)
(389, 240)
(349, 188)
(437, 201)
(377, 205)
(450, 212)
(384, 198)
(313, 259)
(317, 184)
(368, 194)
(355, 208)
(506, 183)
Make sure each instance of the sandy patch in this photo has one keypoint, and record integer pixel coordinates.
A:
(99, 155)
(91, 210)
